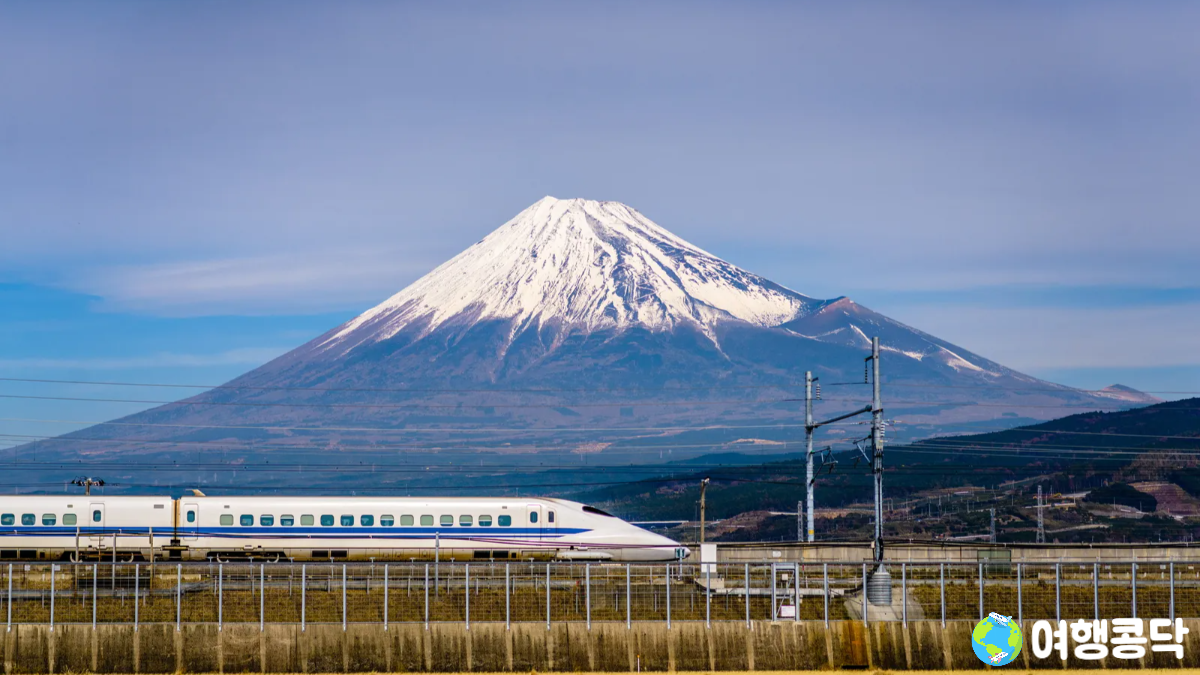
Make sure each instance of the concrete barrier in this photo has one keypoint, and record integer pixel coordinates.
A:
(526, 647)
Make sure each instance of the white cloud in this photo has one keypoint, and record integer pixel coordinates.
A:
(275, 284)
(248, 356)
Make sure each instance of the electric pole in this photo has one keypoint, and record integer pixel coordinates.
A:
(1041, 530)
(86, 483)
(992, 537)
(799, 521)
(703, 489)
(877, 442)
(808, 436)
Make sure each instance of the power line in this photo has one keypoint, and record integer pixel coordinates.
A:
(456, 406)
(1062, 389)
(405, 429)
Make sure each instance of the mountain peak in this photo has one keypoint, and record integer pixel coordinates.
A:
(586, 263)
(1129, 394)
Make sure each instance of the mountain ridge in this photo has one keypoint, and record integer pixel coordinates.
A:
(563, 329)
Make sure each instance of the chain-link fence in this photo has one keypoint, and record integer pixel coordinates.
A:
(540, 592)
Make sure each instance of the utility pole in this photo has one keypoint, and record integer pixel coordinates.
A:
(992, 538)
(703, 489)
(877, 442)
(86, 483)
(809, 428)
(799, 521)
(1041, 531)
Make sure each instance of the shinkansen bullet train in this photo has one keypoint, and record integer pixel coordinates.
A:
(79, 527)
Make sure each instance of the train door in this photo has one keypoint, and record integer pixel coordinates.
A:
(189, 521)
(95, 524)
(536, 521)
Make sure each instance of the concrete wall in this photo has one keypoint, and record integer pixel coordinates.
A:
(610, 647)
(950, 552)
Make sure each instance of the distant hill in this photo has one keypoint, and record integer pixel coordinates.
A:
(1074, 453)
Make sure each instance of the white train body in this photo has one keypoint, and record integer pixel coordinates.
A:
(322, 528)
(53, 526)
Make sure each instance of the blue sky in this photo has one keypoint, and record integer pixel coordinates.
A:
(187, 189)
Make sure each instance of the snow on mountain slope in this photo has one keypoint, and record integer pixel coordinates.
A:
(582, 263)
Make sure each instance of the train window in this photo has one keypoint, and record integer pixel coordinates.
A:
(287, 521)
(406, 521)
(347, 521)
(191, 516)
(465, 521)
(426, 521)
(69, 519)
(447, 521)
(326, 521)
(387, 521)
(306, 520)
(533, 516)
(97, 516)
(504, 521)
(8, 519)
(226, 518)
(28, 519)
(485, 521)
(592, 509)
(49, 519)
(266, 521)
(246, 520)
(366, 521)
(550, 516)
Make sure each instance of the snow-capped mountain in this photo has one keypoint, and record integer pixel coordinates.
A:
(584, 327)
(584, 264)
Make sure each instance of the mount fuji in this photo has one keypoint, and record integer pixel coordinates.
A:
(582, 327)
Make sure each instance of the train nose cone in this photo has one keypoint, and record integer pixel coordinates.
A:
(650, 546)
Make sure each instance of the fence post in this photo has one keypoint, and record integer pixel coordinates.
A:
(343, 597)
(942, 586)
(796, 595)
(220, 595)
(507, 600)
(95, 593)
(1171, 568)
(708, 596)
(1133, 586)
(981, 591)
(467, 595)
(864, 592)
(1096, 590)
(825, 583)
(1058, 591)
(903, 593)
(262, 597)
(426, 596)
(774, 599)
(137, 588)
(587, 594)
(1020, 610)
(303, 597)
(547, 596)
(668, 598)
(178, 595)
(747, 595)
(52, 566)
(628, 602)
(385, 596)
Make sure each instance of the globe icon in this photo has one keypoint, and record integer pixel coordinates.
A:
(997, 640)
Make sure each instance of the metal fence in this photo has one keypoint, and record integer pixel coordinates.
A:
(392, 593)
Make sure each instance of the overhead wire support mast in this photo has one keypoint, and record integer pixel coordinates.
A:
(877, 441)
